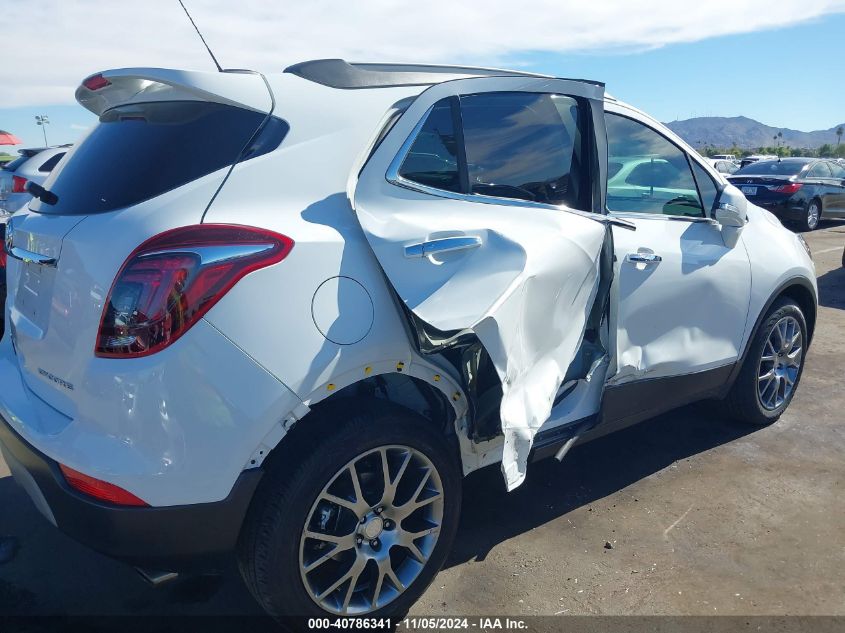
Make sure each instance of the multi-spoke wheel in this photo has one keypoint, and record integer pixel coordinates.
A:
(371, 530)
(361, 525)
(772, 368)
(780, 363)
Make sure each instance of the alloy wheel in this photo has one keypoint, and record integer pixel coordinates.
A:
(813, 213)
(780, 363)
(371, 530)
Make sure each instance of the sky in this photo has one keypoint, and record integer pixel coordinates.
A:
(776, 61)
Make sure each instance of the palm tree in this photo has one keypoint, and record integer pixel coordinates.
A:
(839, 131)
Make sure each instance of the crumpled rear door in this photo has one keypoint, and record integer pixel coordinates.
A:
(522, 275)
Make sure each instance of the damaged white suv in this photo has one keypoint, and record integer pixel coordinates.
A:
(284, 315)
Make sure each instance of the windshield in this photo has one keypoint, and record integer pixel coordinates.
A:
(773, 168)
(142, 150)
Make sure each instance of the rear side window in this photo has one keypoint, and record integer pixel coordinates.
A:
(433, 158)
(50, 164)
(143, 150)
(819, 170)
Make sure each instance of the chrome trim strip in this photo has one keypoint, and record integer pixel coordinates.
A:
(215, 254)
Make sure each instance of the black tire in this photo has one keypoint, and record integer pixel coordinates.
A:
(807, 223)
(269, 548)
(743, 402)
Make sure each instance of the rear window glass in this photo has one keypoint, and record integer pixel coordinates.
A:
(143, 150)
(772, 168)
(14, 164)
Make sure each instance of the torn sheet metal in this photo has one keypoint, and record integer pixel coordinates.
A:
(525, 288)
(533, 333)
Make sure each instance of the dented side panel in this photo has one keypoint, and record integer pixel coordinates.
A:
(525, 287)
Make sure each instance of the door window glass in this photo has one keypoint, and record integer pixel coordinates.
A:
(655, 176)
(526, 146)
(433, 158)
(837, 170)
(707, 188)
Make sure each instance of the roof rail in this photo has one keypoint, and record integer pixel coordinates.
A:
(337, 73)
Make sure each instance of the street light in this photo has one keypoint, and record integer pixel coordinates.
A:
(43, 120)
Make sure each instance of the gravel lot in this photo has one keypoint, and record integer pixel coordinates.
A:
(704, 517)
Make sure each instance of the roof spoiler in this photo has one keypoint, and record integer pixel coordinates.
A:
(338, 73)
(110, 88)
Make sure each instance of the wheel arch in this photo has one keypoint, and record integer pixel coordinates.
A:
(415, 385)
(800, 290)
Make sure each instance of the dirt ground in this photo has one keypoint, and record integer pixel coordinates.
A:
(704, 517)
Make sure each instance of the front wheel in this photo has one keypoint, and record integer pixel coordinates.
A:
(364, 522)
(771, 371)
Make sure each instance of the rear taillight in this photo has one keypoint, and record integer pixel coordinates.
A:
(18, 184)
(174, 278)
(99, 489)
(95, 82)
(790, 188)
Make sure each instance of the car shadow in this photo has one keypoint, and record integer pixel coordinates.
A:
(590, 472)
(832, 289)
(54, 576)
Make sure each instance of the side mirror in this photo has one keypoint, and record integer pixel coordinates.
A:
(729, 215)
(732, 213)
(731, 208)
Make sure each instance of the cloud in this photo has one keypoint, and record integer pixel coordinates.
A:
(52, 44)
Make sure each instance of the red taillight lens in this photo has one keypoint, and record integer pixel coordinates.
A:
(96, 82)
(790, 188)
(99, 489)
(18, 184)
(173, 279)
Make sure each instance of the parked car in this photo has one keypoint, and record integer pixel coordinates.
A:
(293, 333)
(33, 165)
(754, 158)
(728, 157)
(800, 190)
(724, 167)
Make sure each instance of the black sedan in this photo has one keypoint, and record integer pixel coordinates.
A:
(802, 190)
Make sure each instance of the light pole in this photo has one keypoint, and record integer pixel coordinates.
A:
(43, 120)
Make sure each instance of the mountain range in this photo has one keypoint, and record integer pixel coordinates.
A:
(746, 133)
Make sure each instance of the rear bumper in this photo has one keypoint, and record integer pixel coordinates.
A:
(171, 538)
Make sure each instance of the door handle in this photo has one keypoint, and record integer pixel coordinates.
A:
(30, 257)
(442, 245)
(643, 258)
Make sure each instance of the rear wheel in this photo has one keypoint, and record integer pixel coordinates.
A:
(362, 525)
(812, 215)
(771, 371)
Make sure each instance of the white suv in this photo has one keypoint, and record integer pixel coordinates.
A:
(284, 315)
